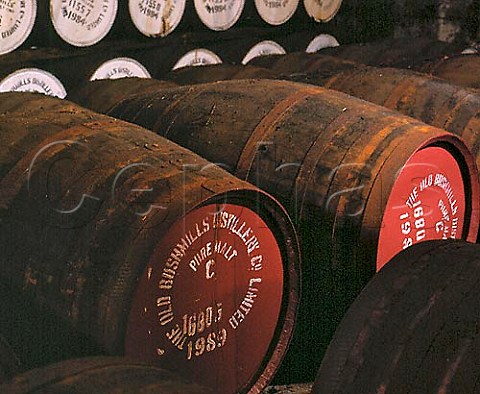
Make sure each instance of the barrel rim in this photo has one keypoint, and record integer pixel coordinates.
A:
(171, 27)
(218, 27)
(255, 51)
(454, 145)
(281, 225)
(284, 231)
(312, 8)
(267, 17)
(78, 43)
(132, 61)
(53, 78)
(181, 63)
(26, 33)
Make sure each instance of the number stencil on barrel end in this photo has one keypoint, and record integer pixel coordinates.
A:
(219, 14)
(83, 22)
(209, 301)
(427, 202)
(156, 18)
(17, 19)
(263, 48)
(276, 12)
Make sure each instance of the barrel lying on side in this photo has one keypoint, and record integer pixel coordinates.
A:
(361, 181)
(404, 52)
(143, 246)
(414, 328)
(100, 375)
(461, 70)
(420, 96)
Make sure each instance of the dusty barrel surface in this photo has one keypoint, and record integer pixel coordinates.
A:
(82, 23)
(305, 63)
(146, 248)
(460, 70)
(103, 100)
(423, 97)
(362, 182)
(414, 328)
(217, 72)
(102, 375)
(33, 80)
(401, 52)
(71, 69)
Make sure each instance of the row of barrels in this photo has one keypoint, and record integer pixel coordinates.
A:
(103, 375)
(152, 252)
(84, 23)
(55, 74)
(58, 75)
(414, 327)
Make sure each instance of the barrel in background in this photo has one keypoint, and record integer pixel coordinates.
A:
(197, 57)
(158, 18)
(33, 80)
(97, 228)
(423, 97)
(461, 70)
(16, 20)
(211, 73)
(83, 23)
(403, 52)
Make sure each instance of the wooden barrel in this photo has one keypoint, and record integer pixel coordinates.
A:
(103, 100)
(322, 11)
(212, 73)
(156, 19)
(143, 246)
(414, 328)
(33, 80)
(426, 98)
(101, 375)
(83, 24)
(16, 23)
(36, 336)
(400, 52)
(276, 12)
(349, 172)
(461, 70)
(219, 16)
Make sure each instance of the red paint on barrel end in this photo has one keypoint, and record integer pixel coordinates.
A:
(427, 202)
(208, 304)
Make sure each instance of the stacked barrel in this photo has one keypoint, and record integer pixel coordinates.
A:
(332, 168)
(82, 23)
